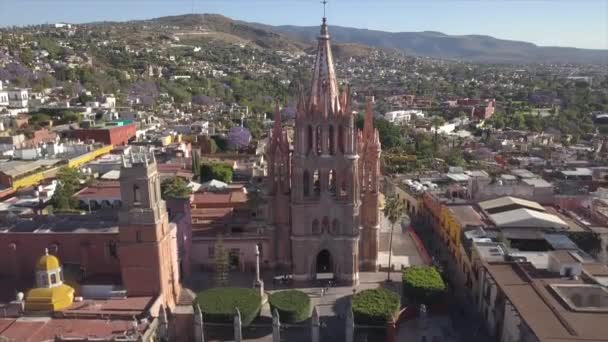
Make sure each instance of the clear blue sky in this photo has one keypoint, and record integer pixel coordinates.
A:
(576, 23)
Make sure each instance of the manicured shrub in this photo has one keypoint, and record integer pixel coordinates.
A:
(375, 306)
(422, 285)
(293, 305)
(218, 304)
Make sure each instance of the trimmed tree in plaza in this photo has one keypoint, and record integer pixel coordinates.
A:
(218, 304)
(393, 210)
(423, 285)
(375, 306)
(293, 305)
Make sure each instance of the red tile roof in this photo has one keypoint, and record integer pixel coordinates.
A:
(39, 330)
(100, 190)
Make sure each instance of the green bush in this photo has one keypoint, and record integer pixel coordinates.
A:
(218, 304)
(422, 285)
(218, 171)
(375, 306)
(293, 305)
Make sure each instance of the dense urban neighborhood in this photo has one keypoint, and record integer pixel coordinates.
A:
(197, 178)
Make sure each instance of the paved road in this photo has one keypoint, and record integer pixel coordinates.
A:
(404, 249)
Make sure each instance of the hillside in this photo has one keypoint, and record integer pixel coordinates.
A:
(357, 42)
(219, 27)
(475, 48)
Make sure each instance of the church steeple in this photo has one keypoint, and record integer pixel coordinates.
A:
(324, 92)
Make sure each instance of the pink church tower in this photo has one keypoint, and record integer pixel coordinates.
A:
(369, 172)
(315, 192)
(279, 191)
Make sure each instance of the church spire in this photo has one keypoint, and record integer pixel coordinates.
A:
(278, 124)
(324, 85)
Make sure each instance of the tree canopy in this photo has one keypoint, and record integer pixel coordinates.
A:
(175, 187)
(68, 183)
(217, 171)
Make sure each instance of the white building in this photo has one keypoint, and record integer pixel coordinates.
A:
(18, 98)
(399, 116)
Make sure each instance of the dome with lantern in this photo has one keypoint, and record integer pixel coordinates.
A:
(50, 293)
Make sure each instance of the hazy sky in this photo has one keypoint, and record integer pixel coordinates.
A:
(576, 23)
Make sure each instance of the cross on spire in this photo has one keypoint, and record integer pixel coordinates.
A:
(324, 2)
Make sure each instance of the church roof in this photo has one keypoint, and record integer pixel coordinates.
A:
(324, 85)
(47, 262)
(49, 299)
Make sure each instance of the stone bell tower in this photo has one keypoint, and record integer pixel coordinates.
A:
(148, 242)
(369, 172)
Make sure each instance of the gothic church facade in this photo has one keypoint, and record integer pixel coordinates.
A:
(323, 189)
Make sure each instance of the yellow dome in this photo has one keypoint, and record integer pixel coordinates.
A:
(49, 299)
(47, 262)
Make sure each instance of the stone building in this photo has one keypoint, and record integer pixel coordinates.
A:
(323, 188)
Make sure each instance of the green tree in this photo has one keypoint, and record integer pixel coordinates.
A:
(222, 262)
(68, 183)
(212, 146)
(196, 164)
(218, 171)
(436, 122)
(175, 187)
(393, 210)
(422, 285)
(27, 57)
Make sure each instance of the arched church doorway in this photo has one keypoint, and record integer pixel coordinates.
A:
(324, 263)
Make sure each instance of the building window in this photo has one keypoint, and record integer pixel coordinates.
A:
(44, 280)
(315, 227)
(332, 182)
(306, 184)
(343, 187)
(211, 252)
(309, 139)
(319, 140)
(335, 227)
(136, 195)
(138, 237)
(325, 227)
(341, 139)
(113, 248)
(53, 278)
(331, 140)
(317, 183)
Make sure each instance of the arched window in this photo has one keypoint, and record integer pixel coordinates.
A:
(343, 187)
(136, 194)
(113, 248)
(315, 227)
(317, 183)
(331, 140)
(319, 140)
(335, 227)
(332, 182)
(309, 140)
(306, 184)
(325, 228)
(54, 249)
(341, 139)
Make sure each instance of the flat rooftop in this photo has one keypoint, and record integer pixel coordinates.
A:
(543, 311)
(62, 224)
(466, 215)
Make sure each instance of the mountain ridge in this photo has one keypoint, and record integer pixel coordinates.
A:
(434, 44)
